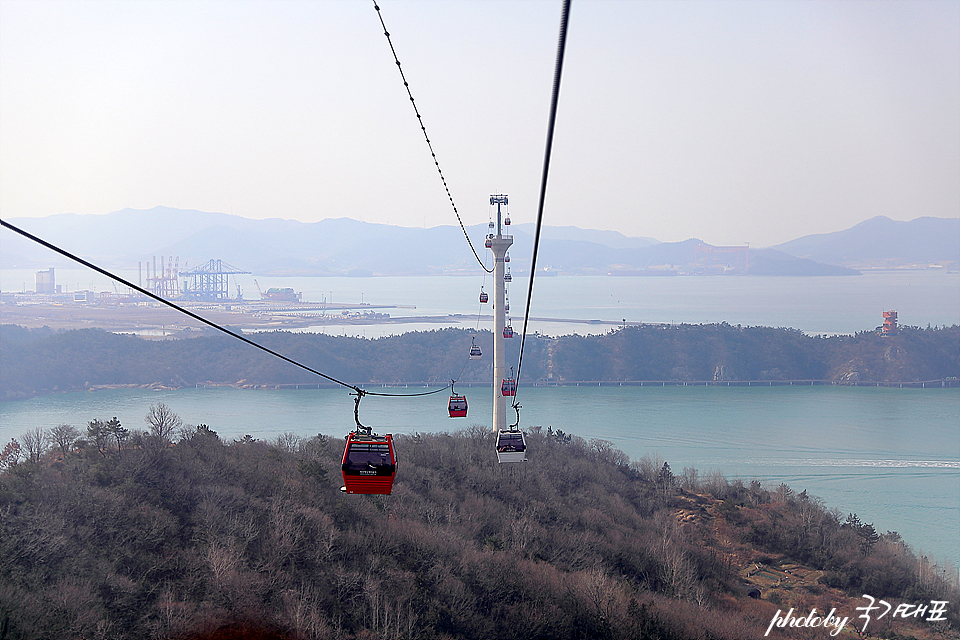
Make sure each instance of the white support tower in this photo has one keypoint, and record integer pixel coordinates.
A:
(499, 244)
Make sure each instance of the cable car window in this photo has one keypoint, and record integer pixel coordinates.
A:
(511, 442)
(458, 406)
(368, 458)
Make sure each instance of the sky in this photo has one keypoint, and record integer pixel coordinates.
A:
(730, 121)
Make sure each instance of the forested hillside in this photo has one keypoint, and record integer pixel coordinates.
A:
(43, 361)
(174, 533)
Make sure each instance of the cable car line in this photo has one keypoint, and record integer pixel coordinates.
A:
(462, 369)
(551, 125)
(205, 321)
(427, 137)
(369, 460)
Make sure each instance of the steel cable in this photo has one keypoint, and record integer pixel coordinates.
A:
(427, 138)
(205, 321)
(561, 46)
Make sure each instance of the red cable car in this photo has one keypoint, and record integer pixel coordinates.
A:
(507, 277)
(369, 464)
(508, 387)
(475, 353)
(484, 297)
(506, 258)
(508, 331)
(506, 220)
(488, 242)
(457, 406)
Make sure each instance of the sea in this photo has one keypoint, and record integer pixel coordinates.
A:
(889, 455)
(562, 305)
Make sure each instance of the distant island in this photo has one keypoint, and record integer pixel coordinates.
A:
(36, 361)
(346, 247)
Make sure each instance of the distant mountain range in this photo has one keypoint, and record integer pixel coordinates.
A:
(342, 246)
(882, 242)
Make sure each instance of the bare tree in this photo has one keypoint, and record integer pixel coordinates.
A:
(289, 442)
(35, 442)
(649, 467)
(10, 455)
(163, 422)
(63, 436)
(690, 480)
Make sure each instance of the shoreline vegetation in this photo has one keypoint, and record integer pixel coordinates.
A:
(44, 360)
(174, 533)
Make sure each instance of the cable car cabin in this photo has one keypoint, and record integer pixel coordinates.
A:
(511, 446)
(506, 258)
(508, 331)
(488, 242)
(506, 307)
(507, 277)
(484, 297)
(369, 464)
(509, 387)
(475, 353)
(506, 220)
(458, 406)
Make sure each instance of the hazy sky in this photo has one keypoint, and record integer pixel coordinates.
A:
(729, 121)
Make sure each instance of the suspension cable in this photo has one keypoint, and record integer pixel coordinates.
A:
(561, 46)
(210, 323)
(427, 137)
(543, 186)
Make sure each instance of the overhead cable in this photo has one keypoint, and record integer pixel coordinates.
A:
(205, 321)
(427, 137)
(561, 46)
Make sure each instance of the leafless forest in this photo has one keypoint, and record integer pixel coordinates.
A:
(173, 533)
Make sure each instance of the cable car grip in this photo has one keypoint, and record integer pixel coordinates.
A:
(367, 431)
(516, 407)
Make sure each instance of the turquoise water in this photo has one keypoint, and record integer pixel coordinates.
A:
(892, 456)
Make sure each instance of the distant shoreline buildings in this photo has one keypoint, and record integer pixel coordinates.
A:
(46, 282)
